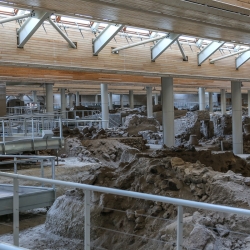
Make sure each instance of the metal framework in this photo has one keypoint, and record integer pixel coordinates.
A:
(105, 37)
(30, 26)
(180, 203)
(72, 45)
(116, 50)
(185, 58)
(241, 59)
(229, 55)
(162, 45)
(9, 19)
(208, 51)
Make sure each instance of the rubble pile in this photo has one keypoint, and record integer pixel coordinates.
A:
(136, 123)
(155, 173)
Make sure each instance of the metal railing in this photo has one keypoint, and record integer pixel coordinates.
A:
(180, 203)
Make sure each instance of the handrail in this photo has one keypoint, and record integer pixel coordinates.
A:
(156, 198)
(87, 188)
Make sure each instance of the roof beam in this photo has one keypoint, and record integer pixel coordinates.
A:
(162, 45)
(185, 58)
(241, 59)
(229, 55)
(208, 51)
(30, 26)
(116, 50)
(72, 45)
(105, 37)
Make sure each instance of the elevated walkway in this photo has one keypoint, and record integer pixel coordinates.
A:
(30, 197)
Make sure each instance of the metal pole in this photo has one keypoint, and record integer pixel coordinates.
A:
(77, 98)
(182, 51)
(16, 212)
(42, 172)
(137, 44)
(15, 165)
(5, 20)
(63, 103)
(180, 228)
(110, 101)
(62, 34)
(226, 56)
(87, 220)
(53, 171)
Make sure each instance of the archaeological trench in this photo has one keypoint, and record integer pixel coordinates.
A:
(131, 157)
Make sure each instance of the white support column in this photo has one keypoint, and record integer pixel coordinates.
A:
(223, 101)
(131, 99)
(121, 101)
(49, 98)
(149, 102)
(34, 96)
(105, 103)
(211, 102)
(237, 117)
(77, 98)
(96, 99)
(202, 102)
(63, 103)
(71, 104)
(167, 99)
(110, 101)
(156, 99)
(248, 102)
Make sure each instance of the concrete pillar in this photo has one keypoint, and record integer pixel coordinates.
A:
(237, 117)
(149, 102)
(223, 101)
(110, 101)
(210, 102)
(105, 103)
(131, 99)
(63, 103)
(34, 96)
(96, 99)
(49, 98)
(77, 99)
(167, 99)
(2, 99)
(202, 102)
(71, 100)
(156, 99)
(248, 102)
(121, 101)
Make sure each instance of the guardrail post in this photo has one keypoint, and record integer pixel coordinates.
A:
(87, 220)
(16, 211)
(180, 228)
(53, 170)
(15, 165)
(42, 171)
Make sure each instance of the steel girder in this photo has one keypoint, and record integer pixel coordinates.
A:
(241, 59)
(208, 51)
(105, 37)
(30, 26)
(162, 45)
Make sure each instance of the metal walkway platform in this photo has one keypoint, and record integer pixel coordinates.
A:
(29, 198)
(17, 145)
